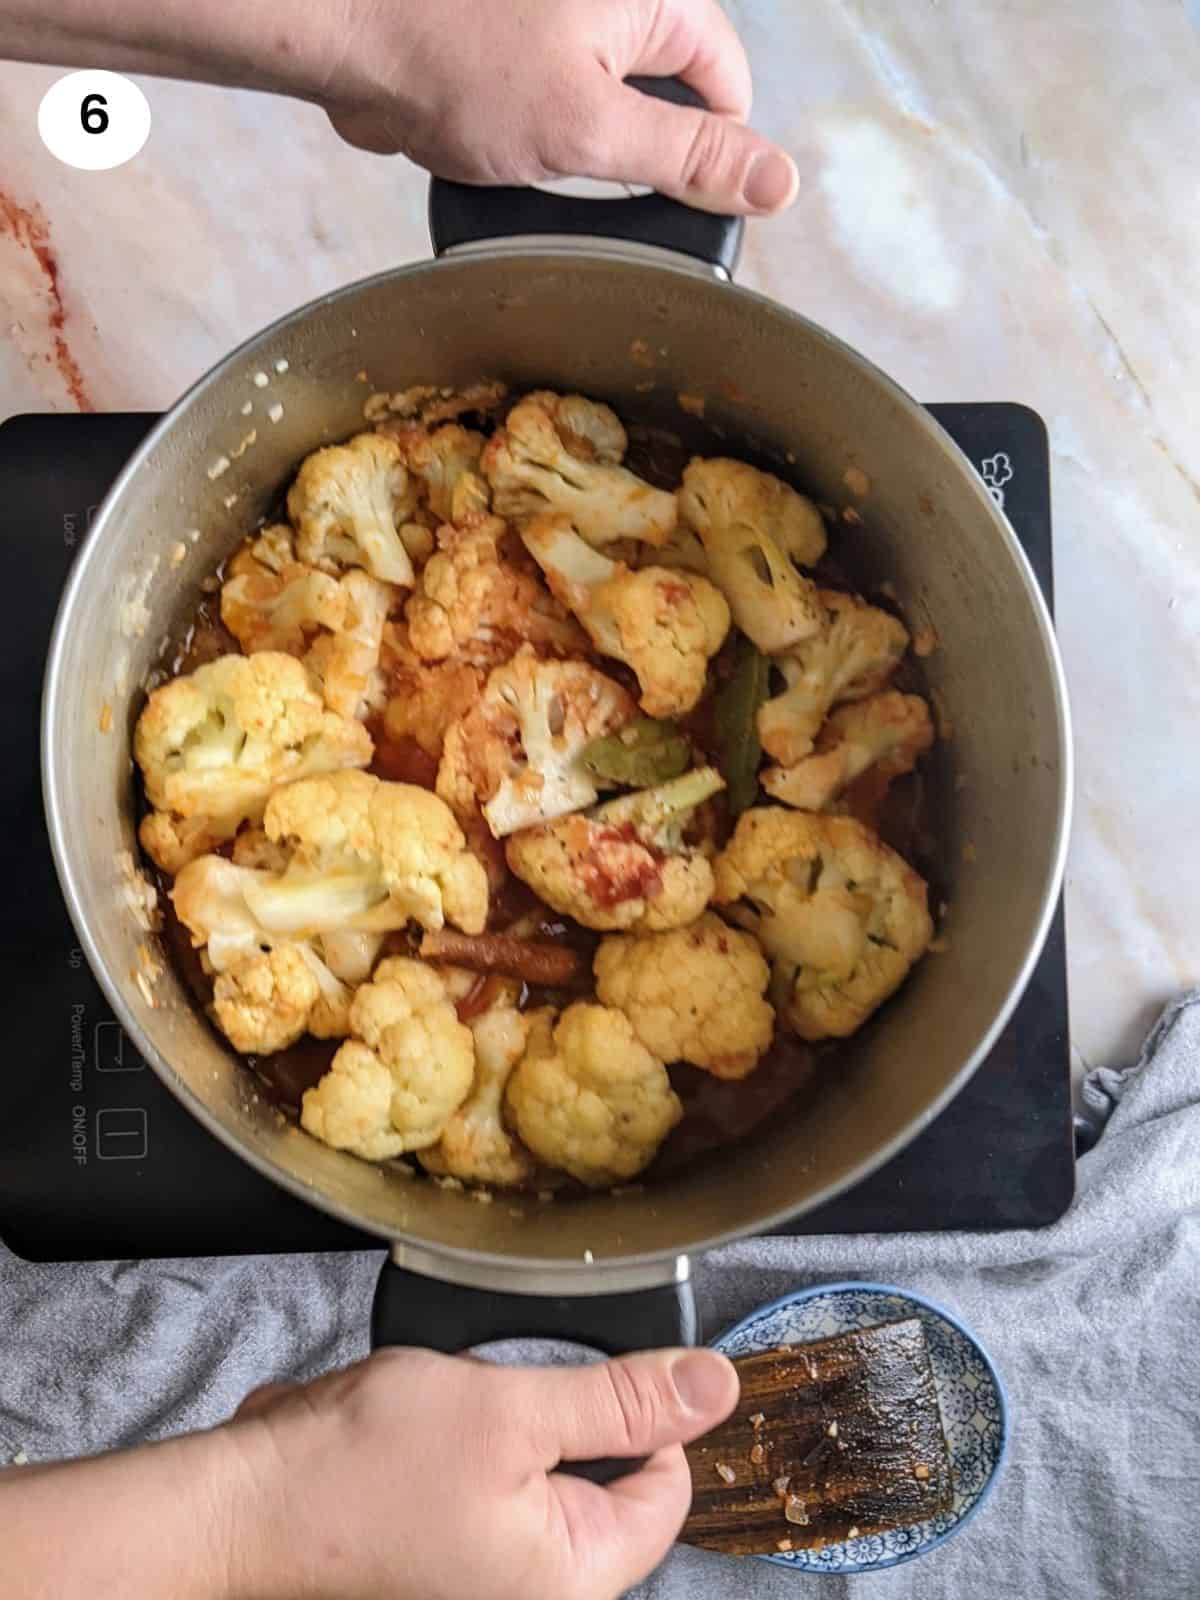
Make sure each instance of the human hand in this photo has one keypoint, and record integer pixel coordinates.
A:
(527, 90)
(414, 1476)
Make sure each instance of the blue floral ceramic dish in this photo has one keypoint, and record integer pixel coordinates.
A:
(970, 1394)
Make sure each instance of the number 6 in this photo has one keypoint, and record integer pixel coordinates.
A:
(93, 114)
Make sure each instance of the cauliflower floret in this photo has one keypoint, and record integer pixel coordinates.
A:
(532, 470)
(477, 607)
(269, 603)
(856, 651)
(682, 551)
(263, 1000)
(252, 848)
(345, 662)
(171, 842)
(212, 900)
(664, 624)
(367, 855)
(518, 749)
(348, 503)
(350, 1106)
(589, 429)
(887, 731)
(590, 1098)
(447, 463)
(409, 1066)
(426, 697)
(753, 527)
(213, 745)
(475, 1145)
(842, 917)
(623, 865)
(693, 994)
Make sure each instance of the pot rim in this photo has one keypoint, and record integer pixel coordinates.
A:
(596, 1276)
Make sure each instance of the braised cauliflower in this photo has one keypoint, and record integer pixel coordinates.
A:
(345, 661)
(692, 994)
(271, 601)
(212, 746)
(348, 504)
(754, 528)
(589, 1098)
(842, 917)
(475, 1146)
(426, 696)
(856, 650)
(212, 899)
(624, 864)
(517, 752)
(473, 605)
(263, 999)
(369, 855)
(532, 471)
(525, 624)
(447, 464)
(664, 624)
(395, 1084)
(589, 429)
(888, 731)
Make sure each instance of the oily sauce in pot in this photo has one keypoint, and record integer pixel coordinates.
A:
(717, 1112)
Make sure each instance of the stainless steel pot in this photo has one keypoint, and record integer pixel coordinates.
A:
(637, 323)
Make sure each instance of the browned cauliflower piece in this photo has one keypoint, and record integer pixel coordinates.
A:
(214, 744)
(475, 1146)
(888, 731)
(664, 624)
(692, 994)
(263, 999)
(589, 1098)
(590, 430)
(348, 504)
(857, 649)
(171, 842)
(426, 696)
(271, 601)
(517, 751)
(212, 899)
(625, 864)
(345, 662)
(473, 605)
(447, 463)
(396, 1083)
(754, 528)
(369, 855)
(842, 917)
(532, 470)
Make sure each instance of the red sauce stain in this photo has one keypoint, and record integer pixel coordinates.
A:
(28, 227)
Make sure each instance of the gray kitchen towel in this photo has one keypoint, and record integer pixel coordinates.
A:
(1093, 1324)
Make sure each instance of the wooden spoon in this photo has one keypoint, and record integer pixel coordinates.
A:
(829, 1441)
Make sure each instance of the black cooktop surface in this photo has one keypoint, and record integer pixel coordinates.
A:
(97, 1158)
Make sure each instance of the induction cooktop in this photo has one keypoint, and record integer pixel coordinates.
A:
(99, 1161)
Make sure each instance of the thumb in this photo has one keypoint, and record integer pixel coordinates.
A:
(707, 161)
(629, 1407)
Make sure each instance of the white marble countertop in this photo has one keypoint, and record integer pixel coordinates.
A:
(1000, 202)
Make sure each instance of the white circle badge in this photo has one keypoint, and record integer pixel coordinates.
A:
(94, 120)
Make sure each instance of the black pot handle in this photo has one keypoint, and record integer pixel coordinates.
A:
(412, 1309)
(462, 213)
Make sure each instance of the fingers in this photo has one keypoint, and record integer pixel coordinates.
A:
(620, 1533)
(695, 40)
(629, 1407)
(707, 161)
